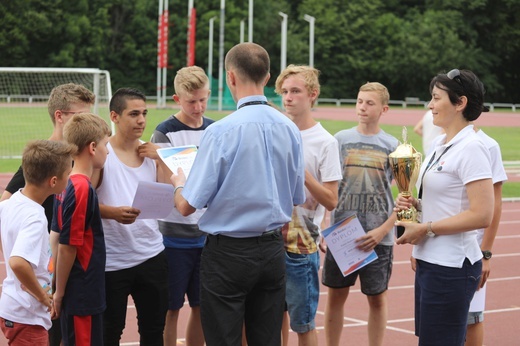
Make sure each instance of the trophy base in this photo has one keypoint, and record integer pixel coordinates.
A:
(399, 231)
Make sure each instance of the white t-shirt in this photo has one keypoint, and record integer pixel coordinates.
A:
(497, 167)
(499, 175)
(127, 245)
(23, 227)
(464, 159)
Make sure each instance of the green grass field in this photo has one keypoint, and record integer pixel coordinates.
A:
(18, 125)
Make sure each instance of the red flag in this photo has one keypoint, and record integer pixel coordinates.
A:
(191, 37)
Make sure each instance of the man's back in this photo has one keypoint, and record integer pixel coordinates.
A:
(252, 155)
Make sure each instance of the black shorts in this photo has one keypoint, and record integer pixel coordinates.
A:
(374, 277)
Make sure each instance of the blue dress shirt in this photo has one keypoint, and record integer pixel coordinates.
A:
(249, 171)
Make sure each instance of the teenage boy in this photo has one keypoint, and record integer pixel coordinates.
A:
(136, 263)
(26, 299)
(182, 237)
(364, 191)
(299, 88)
(79, 299)
(249, 173)
(486, 237)
(64, 101)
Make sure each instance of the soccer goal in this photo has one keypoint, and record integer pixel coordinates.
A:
(24, 93)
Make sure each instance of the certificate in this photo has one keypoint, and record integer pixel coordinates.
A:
(341, 241)
(155, 200)
(176, 157)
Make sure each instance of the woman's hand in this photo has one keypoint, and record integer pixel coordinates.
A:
(414, 232)
(404, 202)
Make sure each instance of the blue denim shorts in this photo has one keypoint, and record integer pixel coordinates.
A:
(303, 290)
(475, 317)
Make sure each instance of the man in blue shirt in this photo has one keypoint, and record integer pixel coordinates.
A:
(249, 173)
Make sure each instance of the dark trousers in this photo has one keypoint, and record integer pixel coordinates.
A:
(147, 284)
(442, 299)
(243, 281)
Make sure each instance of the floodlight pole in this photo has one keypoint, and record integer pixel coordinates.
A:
(250, 24)
(159, 84)
(210, 52)
(221, 55)
(242, 24)
(283, 45)
(311, 20)
(188, 46)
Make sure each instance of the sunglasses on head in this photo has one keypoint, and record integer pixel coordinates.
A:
(455, 75)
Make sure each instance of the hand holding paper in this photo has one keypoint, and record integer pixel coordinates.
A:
(342, 242)
(155, 200)
(178, 178)
(176, 157)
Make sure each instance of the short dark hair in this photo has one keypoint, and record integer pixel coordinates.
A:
(118, 100)
(467, 85)
(250, 60)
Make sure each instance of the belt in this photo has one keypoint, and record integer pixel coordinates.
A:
(267, 235)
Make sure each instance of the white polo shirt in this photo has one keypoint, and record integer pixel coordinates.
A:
(444, 195)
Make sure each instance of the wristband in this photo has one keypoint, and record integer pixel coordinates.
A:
(178, 187)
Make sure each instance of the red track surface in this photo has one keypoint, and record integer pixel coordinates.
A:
(503, 293)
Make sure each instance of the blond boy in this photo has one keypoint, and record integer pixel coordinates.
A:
(26, 300)
(299, 87)
(365, 192)
(182, 238)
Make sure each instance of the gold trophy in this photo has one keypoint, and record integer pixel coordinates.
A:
(406, 164)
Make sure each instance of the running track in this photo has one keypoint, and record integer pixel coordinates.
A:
(503, 293)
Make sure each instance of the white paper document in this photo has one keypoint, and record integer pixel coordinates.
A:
(176, 157)
(155, 200)
(478, 303)
(341, 241)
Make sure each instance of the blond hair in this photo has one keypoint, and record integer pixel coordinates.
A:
(378, 88)
(44, 159)
(309, 74)
(85, 128)
(189, 79)
(64, 95)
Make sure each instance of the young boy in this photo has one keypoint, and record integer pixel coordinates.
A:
(79, 299)
(181, 235)
(26, 299)
(299, 88)
(143, 274)
(365, 192)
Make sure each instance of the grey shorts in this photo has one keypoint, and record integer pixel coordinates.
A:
(374, 277)
(475, 317)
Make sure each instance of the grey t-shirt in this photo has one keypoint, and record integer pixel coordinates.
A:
(365, 189)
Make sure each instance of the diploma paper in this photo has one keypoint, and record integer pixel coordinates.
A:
(176, 157)
(478, 303)
(341, 241)
(155, 200)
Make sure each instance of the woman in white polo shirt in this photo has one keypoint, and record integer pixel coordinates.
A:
(456, 199)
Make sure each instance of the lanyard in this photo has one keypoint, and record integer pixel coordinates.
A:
(252, 103)
(430, 165)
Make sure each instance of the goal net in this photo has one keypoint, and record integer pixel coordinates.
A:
(24, 93)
